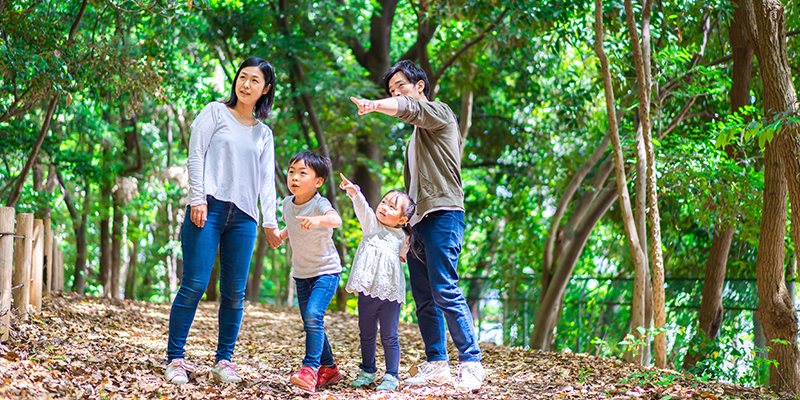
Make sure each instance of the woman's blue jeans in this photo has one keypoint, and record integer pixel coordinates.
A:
(314, 295)
(234, 232)
(434, 284)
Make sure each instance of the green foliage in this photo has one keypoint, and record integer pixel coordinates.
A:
(736, 130)
(144, 70)
(652, 378)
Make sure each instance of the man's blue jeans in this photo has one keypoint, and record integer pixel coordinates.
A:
(234, 232)
(434, 283)
(314, 295)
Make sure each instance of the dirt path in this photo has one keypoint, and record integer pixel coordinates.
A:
(84, 347)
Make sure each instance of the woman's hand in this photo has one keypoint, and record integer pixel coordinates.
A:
(351, 188)
(273, 237)
(199, 215)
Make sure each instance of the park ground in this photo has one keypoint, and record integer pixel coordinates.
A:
(81, 347)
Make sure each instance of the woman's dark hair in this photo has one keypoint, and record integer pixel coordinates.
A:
(264, 104)
(321, 165)
(411, 71)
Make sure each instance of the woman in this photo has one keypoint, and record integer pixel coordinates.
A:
(231, 167)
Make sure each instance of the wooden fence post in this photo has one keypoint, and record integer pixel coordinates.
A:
(59, 267)
(37, 264)
(48, 255)
(22, 264)
(60, 270)
(55, 287)
(6, 268)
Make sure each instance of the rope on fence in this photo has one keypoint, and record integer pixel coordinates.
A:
(11, 234)
(18, 286)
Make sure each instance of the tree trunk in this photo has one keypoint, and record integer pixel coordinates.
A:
(476, 285)
(130, 278)
(641, 56)
(711, 311)
(637, 253)
(369, 181)
(254, 284)
(567, 240)
(549, 308)
(116, 242)
(79, 221)
(290, 284)
(465, 119)
(638, 300)
(276, 275)
(775, 308)
(105, 239)
(79, 280)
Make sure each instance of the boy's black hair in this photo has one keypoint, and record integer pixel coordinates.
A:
(412, 72)
(321, 165)
(264, 103)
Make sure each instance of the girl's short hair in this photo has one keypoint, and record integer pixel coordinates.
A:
(264, 104)
(320, 164)
(412, 72)
(409, 206)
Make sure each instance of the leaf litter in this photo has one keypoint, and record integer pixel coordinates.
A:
(82, 347)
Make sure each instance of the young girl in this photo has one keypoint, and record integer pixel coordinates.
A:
(377, 276)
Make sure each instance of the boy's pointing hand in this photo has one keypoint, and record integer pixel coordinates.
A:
(308, 223)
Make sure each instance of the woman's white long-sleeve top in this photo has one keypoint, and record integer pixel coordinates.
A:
(232, 162)
(377, 271)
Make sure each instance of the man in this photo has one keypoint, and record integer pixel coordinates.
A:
(433, 179)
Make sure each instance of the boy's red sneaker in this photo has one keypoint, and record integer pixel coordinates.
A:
(328, 375)
(305, 379)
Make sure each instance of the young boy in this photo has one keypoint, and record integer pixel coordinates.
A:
(433, 180)
(310, 220)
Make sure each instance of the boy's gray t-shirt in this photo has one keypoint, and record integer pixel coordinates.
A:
(313, 252)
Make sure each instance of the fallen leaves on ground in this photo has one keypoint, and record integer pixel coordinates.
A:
(82, 347)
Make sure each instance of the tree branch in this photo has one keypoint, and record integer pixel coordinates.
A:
(15, 193)
(74, 27)
(425, 31)
(468, 45)
(73, 213)
(708, 26)
(678, 118)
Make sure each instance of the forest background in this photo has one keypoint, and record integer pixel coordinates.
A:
(97, 99)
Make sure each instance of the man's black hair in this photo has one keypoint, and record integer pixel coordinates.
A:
(412, 72)
(321, 165)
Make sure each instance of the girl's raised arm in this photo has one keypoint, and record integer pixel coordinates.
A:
(364, 213)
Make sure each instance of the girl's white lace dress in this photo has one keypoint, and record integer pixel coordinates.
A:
(377, 271)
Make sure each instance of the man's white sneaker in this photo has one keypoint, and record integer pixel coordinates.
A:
(470, 375)
(176, 371)
(430, 373)
(225, 372)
